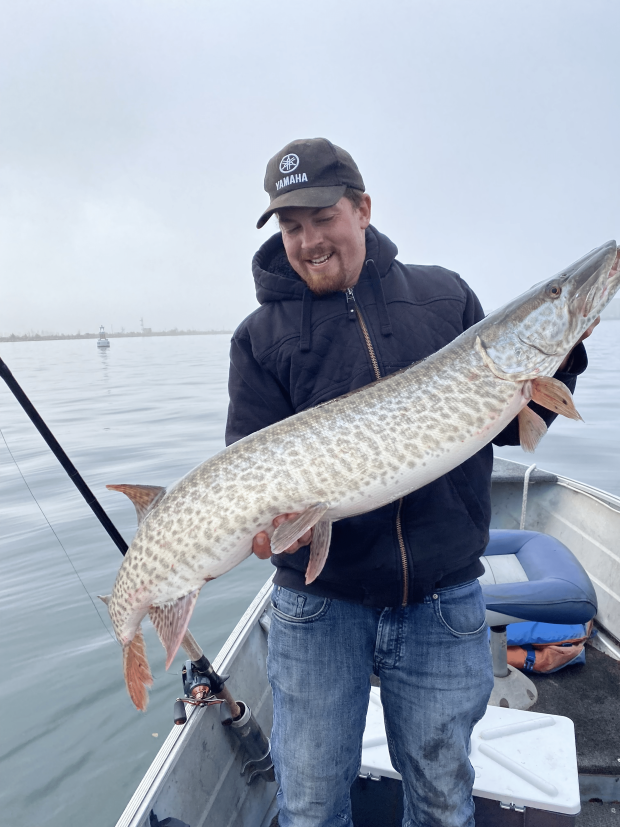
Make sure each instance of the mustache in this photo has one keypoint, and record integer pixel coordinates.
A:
(315, 252)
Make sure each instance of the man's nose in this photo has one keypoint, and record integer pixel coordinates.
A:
(312, 237)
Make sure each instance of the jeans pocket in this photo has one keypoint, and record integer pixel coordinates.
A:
(461, 609)
(298, 607)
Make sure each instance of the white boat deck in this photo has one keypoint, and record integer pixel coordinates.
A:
(523, 759)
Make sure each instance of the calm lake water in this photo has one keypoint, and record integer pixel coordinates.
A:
(72, 747)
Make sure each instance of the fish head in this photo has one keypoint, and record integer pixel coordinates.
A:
(532, 335)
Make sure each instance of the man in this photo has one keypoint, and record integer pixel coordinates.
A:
(398, 596)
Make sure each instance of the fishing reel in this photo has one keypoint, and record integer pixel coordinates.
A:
(200, 685)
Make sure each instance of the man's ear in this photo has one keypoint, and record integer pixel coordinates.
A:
(364, 211)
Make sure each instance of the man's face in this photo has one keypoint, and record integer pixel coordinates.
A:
(327, 246)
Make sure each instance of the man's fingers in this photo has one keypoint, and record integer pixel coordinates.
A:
(591, 328)
(282, 518)
(261, 545)
(303, 541)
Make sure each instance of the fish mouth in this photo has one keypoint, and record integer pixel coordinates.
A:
(588, 303)
(605, 288)
(589, 279)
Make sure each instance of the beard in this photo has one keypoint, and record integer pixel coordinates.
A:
(320, 285)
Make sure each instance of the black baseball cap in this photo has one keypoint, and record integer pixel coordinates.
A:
(310, 172)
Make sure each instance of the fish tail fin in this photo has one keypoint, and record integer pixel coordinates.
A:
(171, 622)
(137, 671)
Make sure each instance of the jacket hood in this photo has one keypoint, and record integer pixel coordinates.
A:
(276, 280)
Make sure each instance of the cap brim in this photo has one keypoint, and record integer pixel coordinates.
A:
(313, 197)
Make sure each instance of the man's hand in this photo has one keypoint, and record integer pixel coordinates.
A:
(585, 336)
(261, 544)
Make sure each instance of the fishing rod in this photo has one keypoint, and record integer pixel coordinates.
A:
(203, 676)
(61, 456)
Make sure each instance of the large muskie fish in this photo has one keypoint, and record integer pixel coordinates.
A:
(351, 455)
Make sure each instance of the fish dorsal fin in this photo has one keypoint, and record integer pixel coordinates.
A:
(144, 497)
(532, 429)
(171, 621)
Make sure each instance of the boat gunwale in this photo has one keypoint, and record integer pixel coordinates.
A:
(139, 805)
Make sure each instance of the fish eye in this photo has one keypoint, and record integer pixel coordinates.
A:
(554, 291)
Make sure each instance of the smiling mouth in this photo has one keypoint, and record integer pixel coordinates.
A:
(318, 261)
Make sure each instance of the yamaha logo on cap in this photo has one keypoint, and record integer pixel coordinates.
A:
(289, 162)
(311, 172)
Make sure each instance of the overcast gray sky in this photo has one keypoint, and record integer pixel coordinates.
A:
(134, 136)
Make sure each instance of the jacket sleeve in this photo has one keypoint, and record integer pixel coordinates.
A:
(257, 399)
(577, 364)
(473, 312)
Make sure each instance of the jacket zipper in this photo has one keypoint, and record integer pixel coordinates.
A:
(354, 313)
(403, 554)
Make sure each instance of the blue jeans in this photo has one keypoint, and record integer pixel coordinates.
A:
(434, 662)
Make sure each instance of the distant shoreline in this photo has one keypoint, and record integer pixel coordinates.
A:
(611, 313)
(49, 337)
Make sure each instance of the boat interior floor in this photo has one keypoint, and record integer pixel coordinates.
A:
(598, 814)
(589, 695)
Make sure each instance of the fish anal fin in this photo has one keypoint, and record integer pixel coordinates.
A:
(171, 621)
(288, 532)
(137, 671)
(144, 497)
(319, 549)
(554, 395)
(532, 429)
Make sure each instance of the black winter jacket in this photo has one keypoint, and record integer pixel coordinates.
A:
(298, 350)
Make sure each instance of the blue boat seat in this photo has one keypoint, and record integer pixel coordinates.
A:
(532, 576)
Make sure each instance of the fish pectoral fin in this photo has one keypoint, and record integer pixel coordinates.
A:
(171, 621)
(137, 671)
(319, 549)
(144, 497)
(288, 532)
(532, 429)
(555, 396)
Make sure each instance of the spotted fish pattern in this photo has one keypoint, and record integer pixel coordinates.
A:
(351, 455)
